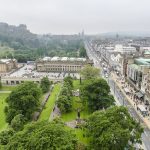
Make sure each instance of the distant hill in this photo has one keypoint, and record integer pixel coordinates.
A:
(18, 42)
(18, 37)
(127, 34)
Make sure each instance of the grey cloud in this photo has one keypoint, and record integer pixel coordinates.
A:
(71, 16)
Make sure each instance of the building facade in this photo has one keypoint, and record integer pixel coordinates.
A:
(61, 64)
(6, 65)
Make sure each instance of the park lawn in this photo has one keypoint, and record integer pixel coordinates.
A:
(80, 134)
(50, 103)
(76, 104)
(76, 84)
(3, 124)
(73, 114)
(8, 88)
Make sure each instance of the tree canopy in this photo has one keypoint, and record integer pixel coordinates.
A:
(90, 72)
(0, 83)
(45, 84)
(113, 129)
(97, 93)
(43, 136)
(82, 52)
(5, 136)
(64, 100)
(23, 100)
(69, 79)
(17, 122)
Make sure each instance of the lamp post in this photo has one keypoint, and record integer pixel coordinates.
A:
(114, 87)
(80, 80)
(123, 101)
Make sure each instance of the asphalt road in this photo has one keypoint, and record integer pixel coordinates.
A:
(120, 97)
(123, 101)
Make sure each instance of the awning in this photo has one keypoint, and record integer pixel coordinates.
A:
(139, 95)
(126, 90)
(146, 102)
(142, 108)
(133, 84)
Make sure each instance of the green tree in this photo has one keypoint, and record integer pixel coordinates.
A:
(23, 100)
(17, 122)
(5, 136)
(82, 52)
(64, 100)
(90, 72)
(113, 129)
(45, 84)
(97, 93)
(69, 79)
(43, 136)
(0, 83)
(64, 103)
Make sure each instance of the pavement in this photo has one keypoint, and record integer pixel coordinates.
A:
(55, 113)
(145, 119)
(123, 99)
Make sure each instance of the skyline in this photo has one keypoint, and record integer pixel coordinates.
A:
(71, 17)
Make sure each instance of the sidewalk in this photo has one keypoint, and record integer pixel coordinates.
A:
(116, 99)
(145, 119)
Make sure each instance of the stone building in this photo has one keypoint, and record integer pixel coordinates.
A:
(6, 65)
(61, 64)
(138, 76)
(137, 72)
(147, 88)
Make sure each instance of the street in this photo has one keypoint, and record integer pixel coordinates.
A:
(116, 91)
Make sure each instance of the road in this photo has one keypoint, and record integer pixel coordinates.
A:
(119, 95)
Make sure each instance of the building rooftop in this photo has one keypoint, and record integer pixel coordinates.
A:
(4, 60)
(46, 58)
(55, 58)
(142, 61)
(147, 53)
(62, 59)
(134, 66)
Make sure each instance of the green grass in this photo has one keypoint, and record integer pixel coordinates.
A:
(80, 136)
(77, 103)
(8, 88)
(3, 123)
(50, 103)
(76, 84)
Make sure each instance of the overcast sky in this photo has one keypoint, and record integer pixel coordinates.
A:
(71, 16)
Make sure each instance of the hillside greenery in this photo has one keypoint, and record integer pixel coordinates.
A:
(18, 42)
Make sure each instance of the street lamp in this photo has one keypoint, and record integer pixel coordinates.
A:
(114, 87)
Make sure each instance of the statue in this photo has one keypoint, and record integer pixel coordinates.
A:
(78, 113)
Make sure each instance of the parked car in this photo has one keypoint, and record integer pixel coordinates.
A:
(106, 75)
